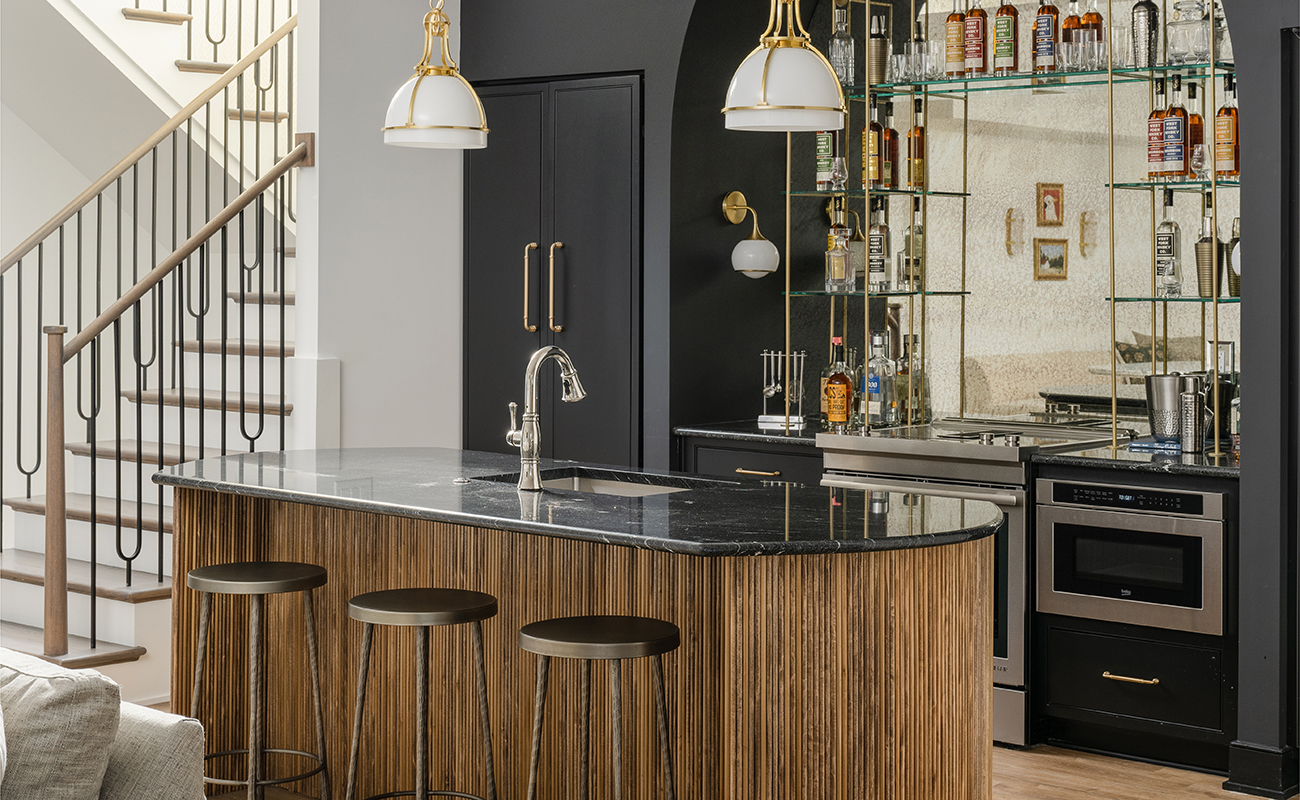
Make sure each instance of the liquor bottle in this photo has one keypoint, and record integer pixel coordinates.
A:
(1093, 22)
(1195, 123)
(840, 51)
(1006, 40)
(1175, 122)
(916, 149)
(882, 389)
(825, 159)
(1169, 252)
(955, 42)
(914, 252)
(858, 250)
(878, 249)
(1207, 278)
(872, 139)
(877, 52)
(1156, 135)
(838, 390)
(976, 40)
(1234, 259)
(1227, 148)
(1145, 27)
(889, 164)
(1072, 25)
(1047, 37)
(841, 272)
(913, 384)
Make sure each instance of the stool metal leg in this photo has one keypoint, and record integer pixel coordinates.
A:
(616, 694)
(313, 657)
(584, 729)
(539, 712)
(201, 652)
(367, 634)
(254, 695)
(422, 713)
(483, 710)
(661, 706)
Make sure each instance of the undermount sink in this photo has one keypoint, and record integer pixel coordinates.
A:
(611, 482)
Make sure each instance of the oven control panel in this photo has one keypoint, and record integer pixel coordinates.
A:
(1128, 498)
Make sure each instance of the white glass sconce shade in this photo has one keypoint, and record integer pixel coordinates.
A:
(755, 258)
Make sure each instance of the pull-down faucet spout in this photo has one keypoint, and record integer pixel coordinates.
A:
(528, 438)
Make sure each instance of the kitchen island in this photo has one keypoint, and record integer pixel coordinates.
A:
(835, 643)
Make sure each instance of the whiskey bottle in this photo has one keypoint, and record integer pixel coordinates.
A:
(916, 149)
(837, 390)
(1094, 27)
(1227, 148)
(1195, 122)
(1156, 135)
(825, 159)
(841, 273)
(889, 164)
(1145, 27)
(872, 139)
(882, 389)
(976, 33)
(914, 252)
(858, 250)
(1207, 279)
(955, 42)
(1072, 25)
(1047, 37)
(878, 249)
(1006, 40)
(913, 384)
(840, 51)
(1169, 252)
(1175, 122)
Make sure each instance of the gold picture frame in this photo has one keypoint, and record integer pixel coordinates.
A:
(1051, 205)
(1051, 259)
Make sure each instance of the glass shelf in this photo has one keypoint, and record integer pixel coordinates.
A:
(1179, 186)
(1193, 299)
(1030, 80)
(879, 193)
(877, 294)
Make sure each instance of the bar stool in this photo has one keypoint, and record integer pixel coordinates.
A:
(600, 638)
(422, 609)
(259, 579)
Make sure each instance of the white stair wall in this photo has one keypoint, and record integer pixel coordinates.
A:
(29, 535)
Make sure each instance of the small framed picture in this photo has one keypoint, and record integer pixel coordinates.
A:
(1051, 259)
(1051, 205)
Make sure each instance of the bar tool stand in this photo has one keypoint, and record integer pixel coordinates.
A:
(773, 374)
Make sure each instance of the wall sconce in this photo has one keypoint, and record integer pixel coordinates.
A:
(755, 256)
(1084, 224)
(1015, 231)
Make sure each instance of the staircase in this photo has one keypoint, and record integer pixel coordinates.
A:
(166, 359)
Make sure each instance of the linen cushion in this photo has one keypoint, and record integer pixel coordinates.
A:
(156, 756)
(60, 725)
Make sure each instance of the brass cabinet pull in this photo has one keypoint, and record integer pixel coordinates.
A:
(527, 327)
(554, 327)
(1142, 681)
(744, 471)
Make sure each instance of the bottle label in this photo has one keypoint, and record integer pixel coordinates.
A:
(1155, 146)
(825, 159)
(887, 172)
(1045, 41)
(873, 156)
(916, 178)
(1165, 255)
(956, 47)
(1004, 43)
(975, 44)
(873, 384)
(823, 395)
(837, 403)
(1175, 142)
(876, 257)
(1225, 141)
(835, 266)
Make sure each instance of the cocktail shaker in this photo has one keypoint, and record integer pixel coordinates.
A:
(1191, 421)
(1146, 34)
(1163, 406)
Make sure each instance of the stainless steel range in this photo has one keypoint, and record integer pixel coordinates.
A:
(976, 459)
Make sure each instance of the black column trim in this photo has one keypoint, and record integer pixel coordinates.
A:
(1262, 771)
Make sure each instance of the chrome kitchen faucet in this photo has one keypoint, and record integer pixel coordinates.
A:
(529, 438)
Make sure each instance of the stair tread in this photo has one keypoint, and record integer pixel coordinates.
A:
(78, 507)
(211, 400)
(270, 349)
(148, 451)
(25, 566)
(252, 115)
(212, 67)
(271, 299)
(149, 15)
(80, 655)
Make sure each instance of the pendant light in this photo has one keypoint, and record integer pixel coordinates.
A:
(436, 107)
(786, 84)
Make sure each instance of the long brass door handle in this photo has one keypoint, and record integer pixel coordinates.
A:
(527, 327)
(744, 471)
(554, 327)
(1143, 681)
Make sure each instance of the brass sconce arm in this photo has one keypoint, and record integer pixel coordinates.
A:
(734, 209)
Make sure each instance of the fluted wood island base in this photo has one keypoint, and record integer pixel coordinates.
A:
(826, 675)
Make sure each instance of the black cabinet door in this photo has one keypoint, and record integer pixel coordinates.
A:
(504, 212)
(595, 201)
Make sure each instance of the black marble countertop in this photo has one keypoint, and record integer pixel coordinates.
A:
(1201, 464)
(712, 518)
(747, 430)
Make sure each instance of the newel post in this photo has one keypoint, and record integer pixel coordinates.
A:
(56, 519)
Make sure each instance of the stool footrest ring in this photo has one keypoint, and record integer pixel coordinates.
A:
(266, 782)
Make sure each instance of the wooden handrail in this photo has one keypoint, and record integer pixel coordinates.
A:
(158, 136)
(303, 152)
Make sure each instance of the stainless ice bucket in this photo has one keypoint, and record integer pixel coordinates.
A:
(1162, 406)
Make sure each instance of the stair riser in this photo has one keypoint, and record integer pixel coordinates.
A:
(119, 622)
(106, 481)
(269, 377)
(213, 426)
(29, 534)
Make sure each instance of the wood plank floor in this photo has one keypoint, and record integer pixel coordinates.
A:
(1052, 773)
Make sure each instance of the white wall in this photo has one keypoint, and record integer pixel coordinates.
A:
(379, 237)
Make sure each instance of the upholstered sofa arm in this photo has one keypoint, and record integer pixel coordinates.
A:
(156, 756)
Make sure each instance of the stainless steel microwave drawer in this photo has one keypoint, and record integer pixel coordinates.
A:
(759, 465)
(1156, 681)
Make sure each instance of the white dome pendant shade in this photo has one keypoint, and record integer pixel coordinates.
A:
(437, 107)
(786, 84)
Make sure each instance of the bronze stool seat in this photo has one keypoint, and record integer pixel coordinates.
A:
(259, 579)
(422, 609)
(600, 638)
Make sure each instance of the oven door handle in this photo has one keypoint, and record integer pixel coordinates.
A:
(934, 490)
